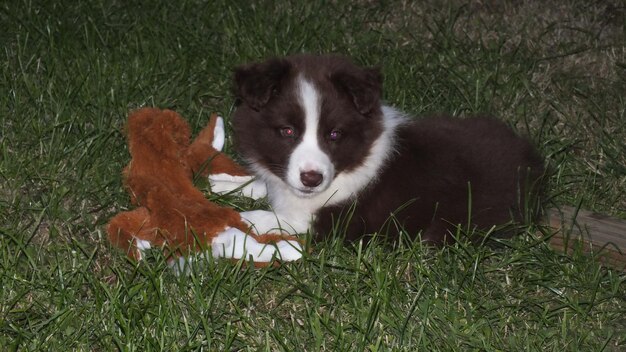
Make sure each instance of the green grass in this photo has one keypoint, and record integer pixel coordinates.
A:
(71, 71)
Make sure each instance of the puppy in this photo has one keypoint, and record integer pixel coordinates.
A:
(314, 131)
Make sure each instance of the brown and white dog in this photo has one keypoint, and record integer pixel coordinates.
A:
(315, 132)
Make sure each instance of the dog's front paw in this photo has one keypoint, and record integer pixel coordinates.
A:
(289, 251)
(234, 244)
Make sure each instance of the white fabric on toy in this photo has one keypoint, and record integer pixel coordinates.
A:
(219, 135)
(247, 186)
(142, 245)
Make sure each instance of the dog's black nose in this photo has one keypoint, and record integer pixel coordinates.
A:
(311, 178)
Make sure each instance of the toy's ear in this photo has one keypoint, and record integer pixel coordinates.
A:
(362, 85)
(255, 84)
(203, 155)
(213, 134)
(219, 135)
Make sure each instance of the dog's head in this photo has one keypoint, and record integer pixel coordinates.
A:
(306, 119)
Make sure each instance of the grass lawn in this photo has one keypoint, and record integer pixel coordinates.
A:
(71, 70)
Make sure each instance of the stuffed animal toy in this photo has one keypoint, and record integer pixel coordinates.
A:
(171, 212)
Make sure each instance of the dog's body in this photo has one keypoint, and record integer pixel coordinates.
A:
(314, 131)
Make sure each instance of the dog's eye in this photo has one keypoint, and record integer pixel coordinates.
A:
(334, 135)
(288, 132)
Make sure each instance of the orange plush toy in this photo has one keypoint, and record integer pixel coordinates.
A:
(171, 212)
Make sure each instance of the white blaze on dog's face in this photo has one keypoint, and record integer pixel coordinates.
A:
(306, 120)
(309, 169)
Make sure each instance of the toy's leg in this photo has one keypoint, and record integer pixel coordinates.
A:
(247, 186)
(126, 231)
(263, 221)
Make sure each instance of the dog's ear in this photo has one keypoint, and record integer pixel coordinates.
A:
(255, 84)
(363, 85)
